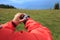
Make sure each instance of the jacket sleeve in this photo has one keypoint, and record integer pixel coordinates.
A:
(38, 30)
(9, 25)
(6, 30)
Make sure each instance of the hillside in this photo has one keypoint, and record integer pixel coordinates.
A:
(48, 18)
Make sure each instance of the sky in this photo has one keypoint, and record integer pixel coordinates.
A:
(31, 4)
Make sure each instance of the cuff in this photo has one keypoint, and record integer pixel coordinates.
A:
(14, 24)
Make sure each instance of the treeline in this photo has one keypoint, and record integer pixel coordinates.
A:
(6, 6)
(56, 6)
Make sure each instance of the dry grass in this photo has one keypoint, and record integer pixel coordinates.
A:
(48, 18)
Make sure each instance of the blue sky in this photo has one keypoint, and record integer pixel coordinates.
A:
(31, 4)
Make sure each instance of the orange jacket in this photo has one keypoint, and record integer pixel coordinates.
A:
(35, 32)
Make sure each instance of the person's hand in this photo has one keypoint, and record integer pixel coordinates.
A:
(17, 19)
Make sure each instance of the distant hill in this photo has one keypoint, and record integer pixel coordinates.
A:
(6, 6)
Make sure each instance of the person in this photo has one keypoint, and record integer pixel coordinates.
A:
(35, 31)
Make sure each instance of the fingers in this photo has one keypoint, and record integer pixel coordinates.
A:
(19, 15)
(21, 20)
(18, 18)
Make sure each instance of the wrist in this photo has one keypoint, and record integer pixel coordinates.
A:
(15, 22)
(26, 20)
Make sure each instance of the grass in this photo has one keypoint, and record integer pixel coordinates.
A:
(48, 18)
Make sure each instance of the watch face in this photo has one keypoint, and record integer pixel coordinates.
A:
(25, 16)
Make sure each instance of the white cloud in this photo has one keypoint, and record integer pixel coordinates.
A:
(16, 1)
(21, 1)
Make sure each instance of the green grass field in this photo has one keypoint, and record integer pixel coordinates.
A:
(48, 18)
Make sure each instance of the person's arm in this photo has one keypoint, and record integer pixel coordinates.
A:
(8, 29)
(13, 23)
(38, 30)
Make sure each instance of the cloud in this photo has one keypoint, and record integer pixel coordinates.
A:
(20, 1)
(16, 1)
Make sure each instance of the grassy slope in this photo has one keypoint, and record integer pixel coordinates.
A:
(48, 18)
